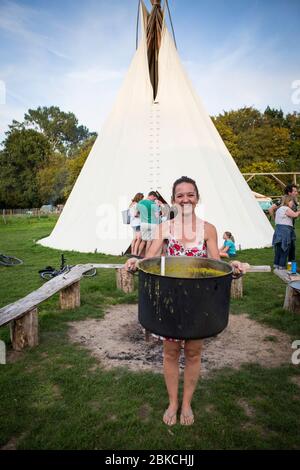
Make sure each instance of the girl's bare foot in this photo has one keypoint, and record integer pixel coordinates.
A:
(170, 416)
(186, 416)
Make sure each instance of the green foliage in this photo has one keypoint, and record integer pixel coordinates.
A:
(262, 142)
(61, 129)
(51, 179)
(25, 152)
(242, 120)
(264, 184)
(75, 165)
(34, 160)
(230, 139)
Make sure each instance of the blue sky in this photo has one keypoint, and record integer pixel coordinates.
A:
(74, 54)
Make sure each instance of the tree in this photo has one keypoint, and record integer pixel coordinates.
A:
(60, 128)
(52, 179)
(263, 184)
(242, 120)
(273, 117)
(25, 152)
(292, 123)
(76, 163)
(229, 138)
(264, 144)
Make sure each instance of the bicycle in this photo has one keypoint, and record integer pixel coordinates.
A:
(49, 272)
(6, 260)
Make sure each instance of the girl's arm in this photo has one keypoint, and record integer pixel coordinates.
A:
(290, 213)
(210, 236)
(161, 233)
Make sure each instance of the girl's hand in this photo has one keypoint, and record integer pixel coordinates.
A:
(131, 264)
(239, 268)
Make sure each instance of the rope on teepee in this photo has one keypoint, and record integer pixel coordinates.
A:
(173, 32)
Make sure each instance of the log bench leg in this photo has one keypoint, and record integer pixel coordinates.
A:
(292, 300)
(24, 331)
(69, 297)
(237, 288)
(125, 280)
(2, 352)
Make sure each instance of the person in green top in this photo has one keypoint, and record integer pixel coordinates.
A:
(228, 249)
(149, 214)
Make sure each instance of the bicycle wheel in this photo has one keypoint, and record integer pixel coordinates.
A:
(47, 275)
(9, 260)
(92, 272)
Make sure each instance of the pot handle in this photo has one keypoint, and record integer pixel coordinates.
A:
(237, 275)
(133, 272)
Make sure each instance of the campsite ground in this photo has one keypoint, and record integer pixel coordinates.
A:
(62, 395)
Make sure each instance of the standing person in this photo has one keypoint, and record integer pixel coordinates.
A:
(164, 208)
(284, 234)
(186, 235)
(290, 190)
(228, 249)
(135, 222)
(149, 213)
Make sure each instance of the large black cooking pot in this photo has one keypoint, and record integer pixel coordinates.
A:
(181, 304)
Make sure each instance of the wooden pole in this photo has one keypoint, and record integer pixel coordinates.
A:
(125, 280)
(24, 331)
(70, 296)
(237, 288)
(292, 300)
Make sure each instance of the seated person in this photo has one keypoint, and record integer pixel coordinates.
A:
(228, 249)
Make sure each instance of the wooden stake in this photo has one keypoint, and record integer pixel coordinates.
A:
(237, 288)
(292, 300)
(125, 280)
(70, 296)
(24, 331)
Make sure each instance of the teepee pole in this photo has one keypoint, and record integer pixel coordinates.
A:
(171, 22)
(137, 25)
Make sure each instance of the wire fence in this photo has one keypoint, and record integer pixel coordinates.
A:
(32, 212)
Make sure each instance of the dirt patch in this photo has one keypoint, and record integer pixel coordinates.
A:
(248, 410)
(118, 340)
(13, 442)
(296, 380)
(144, 412)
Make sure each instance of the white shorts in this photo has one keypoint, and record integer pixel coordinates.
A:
(148, 231)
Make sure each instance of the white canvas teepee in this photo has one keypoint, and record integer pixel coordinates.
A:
(146, 145)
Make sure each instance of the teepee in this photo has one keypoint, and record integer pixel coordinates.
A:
(157, 131)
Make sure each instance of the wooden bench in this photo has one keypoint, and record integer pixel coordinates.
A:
(237, 290)
(23, 314)
(292, 296)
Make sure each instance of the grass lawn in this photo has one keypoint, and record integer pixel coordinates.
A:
(56, 396)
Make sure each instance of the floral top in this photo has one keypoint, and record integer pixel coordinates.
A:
(176, 248)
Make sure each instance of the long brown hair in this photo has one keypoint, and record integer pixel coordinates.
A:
(138, 197)
(230, 236)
